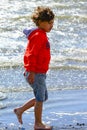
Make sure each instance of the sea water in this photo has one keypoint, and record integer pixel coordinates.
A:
(68, 39)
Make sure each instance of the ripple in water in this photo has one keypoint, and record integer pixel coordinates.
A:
(2, 97)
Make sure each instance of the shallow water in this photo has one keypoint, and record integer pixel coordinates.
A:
(68, 37)
(68, 40)
(64, 110)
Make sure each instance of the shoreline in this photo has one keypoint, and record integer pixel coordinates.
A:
(66, 109)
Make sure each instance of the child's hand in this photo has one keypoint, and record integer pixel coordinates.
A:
(31, 77)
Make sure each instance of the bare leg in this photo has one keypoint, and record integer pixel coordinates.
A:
(19, 111)
(38, 117)
(38, 112)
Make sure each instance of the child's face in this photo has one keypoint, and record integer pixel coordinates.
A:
(46, 26)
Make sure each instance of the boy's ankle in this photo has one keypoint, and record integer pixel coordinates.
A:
(42, 126)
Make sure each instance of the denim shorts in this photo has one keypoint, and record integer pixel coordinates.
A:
(39, 86)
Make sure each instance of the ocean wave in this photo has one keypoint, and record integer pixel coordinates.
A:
(58, 63)
(69, 67)
(2, 96)
(81, 18)
(10, 65)
(11, 62)
(77, 59)
(13, 89)
(53, 67)
(21, 89)
(2, 106)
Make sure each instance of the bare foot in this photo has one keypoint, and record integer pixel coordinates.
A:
(42, 127)
(18, 114)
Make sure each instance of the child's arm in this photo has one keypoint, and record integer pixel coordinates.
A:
(31, 77)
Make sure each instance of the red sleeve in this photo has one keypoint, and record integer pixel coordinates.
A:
(32, 50)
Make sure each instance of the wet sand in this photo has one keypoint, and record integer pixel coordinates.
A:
(65, 109)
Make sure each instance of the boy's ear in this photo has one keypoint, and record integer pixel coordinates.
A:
(39, 22)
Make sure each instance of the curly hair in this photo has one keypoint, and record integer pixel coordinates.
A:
(42, 14)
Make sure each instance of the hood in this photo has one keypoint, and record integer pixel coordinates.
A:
(27, 32)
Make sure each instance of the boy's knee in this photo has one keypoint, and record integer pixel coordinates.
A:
(39, 104)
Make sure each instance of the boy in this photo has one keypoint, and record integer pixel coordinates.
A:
(36, 64)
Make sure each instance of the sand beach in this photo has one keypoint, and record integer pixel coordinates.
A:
(65, 109)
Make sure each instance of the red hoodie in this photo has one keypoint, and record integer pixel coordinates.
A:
(37, 53)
